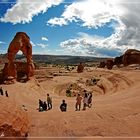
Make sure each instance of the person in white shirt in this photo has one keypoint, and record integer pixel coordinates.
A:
(85, 101)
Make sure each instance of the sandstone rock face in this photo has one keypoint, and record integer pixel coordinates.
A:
(118, 60)
(102, 64)
(21, 42)
(80, 68)
(131, 56)
(13, 120)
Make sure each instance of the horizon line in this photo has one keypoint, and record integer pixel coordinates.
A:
(66, 55)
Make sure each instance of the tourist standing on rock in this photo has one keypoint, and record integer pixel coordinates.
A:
(63, 106)
(85, 101)
(1, 91)
(90, 100)
(78, 102)
(49, 101)
(6, 93)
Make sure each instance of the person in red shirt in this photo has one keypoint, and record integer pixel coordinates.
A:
(78, 102)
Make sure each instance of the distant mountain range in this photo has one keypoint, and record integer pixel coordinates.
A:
(58, 59)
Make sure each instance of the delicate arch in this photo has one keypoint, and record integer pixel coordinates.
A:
(21, 41)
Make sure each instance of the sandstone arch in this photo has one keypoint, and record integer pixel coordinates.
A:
(20, 42)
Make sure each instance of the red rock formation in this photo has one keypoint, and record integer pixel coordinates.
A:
(131, 56)
(13, 120)
(102, 64)
(109, 63)
(80, 68)
(21, 42)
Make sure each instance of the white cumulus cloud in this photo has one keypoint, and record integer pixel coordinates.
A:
(42, 45)
(57, 21)
(1, 42)
(86, 44)
(92, 13)
(96, 13)
(32, 43)
(24, 10)
(44, 38)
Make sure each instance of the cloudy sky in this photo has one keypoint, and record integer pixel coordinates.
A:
(101, 28)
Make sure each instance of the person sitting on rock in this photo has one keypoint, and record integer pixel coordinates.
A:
(44, 106)
(63, 106)
(40, 105)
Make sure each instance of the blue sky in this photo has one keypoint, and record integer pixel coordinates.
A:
(72, 27)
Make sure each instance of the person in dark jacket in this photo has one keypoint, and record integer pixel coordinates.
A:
(63, 106)
(44, 106)
(1, 91)
(6, 93)
(40, 105)
(90, 100)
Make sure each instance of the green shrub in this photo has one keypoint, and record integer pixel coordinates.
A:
(68, 93)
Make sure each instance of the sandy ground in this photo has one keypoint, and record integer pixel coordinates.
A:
(115, 111)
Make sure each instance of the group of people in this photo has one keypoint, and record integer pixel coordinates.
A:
(2, 92)
(45, 105)
(87, 101)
